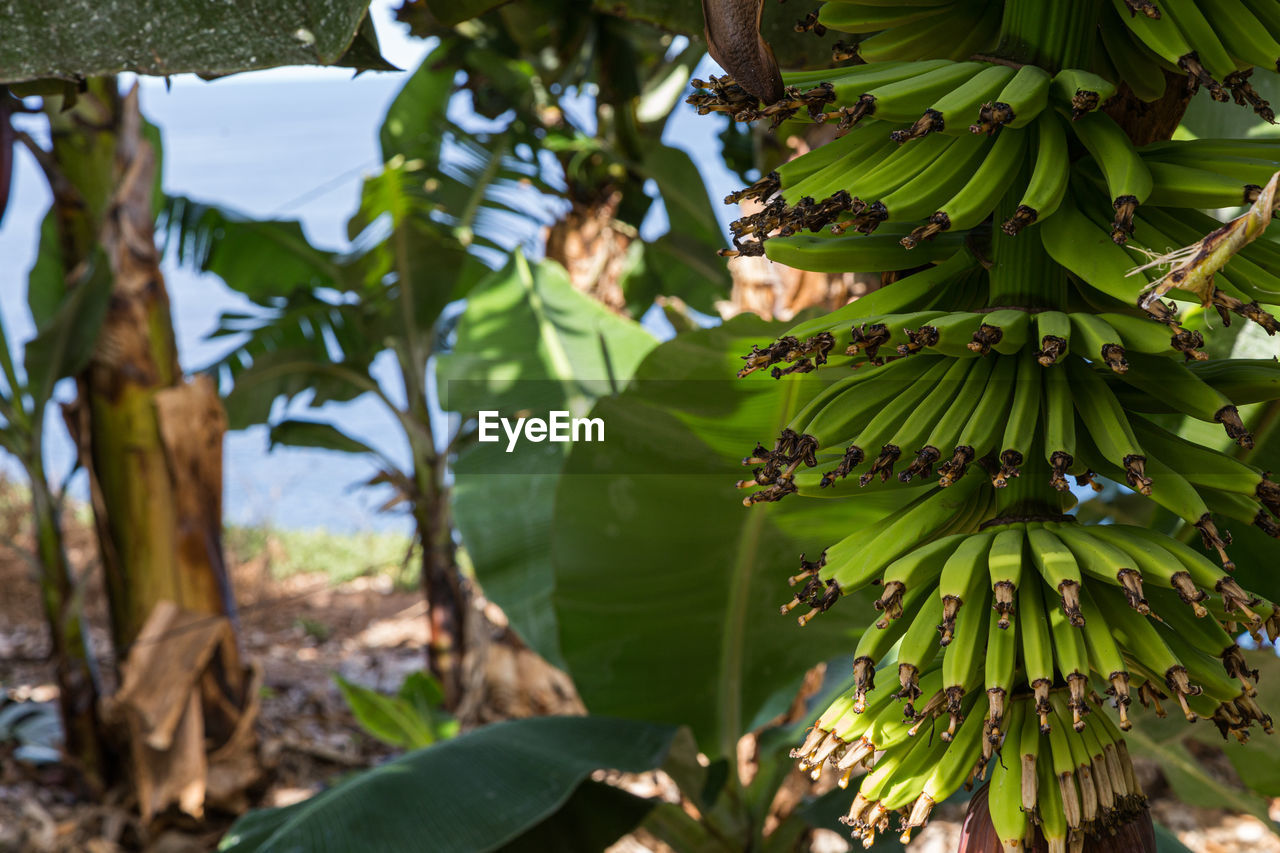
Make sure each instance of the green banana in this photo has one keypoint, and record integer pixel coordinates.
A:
(1005, 560)
(1051, 809)
(1174, 385)
(950, 772)
(831, 253)
(1082, 91)
(1104, 655)
(1088, 252)
(1137, 635)
(1062, 774)
(1243, 380)
(1059, 427)
(1058, 568)
(1202, 35)
(904, 100)
(1107, 423)
(1004, 801)
(936, 36)
(1128, 177)
(1028, 744)
(860, 18)
(1037, 646)
(915, 569)
(1199, 464)
(1176, 185)
(1105, 561)
(1133, 61)
(1144, 335)
(979, 195)
(1054, 330)
(1098, 341)
(951, 113)
(1024, 414)
(961, 579)
(918, 648)
(999, 670)
(1019, 103)
(1049, 176)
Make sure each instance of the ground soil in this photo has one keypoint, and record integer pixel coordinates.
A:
(302, 629)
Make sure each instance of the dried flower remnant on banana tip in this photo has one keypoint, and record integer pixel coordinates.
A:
(1193, 267)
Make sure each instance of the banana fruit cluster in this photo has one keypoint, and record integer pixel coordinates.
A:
(1048, 777)
(1079, 242)
(1031, 342)
(1009, 635)
(934, 146)
(1216, 43)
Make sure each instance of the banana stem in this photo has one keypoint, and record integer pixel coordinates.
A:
(1032, 33)
(1031, 497)
(1022, 273)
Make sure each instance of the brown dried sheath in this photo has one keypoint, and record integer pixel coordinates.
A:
(734, 41)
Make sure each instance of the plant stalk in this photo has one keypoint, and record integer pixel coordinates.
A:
(75, 672)
(1051, 35)
(1022, 274)
(441, 583)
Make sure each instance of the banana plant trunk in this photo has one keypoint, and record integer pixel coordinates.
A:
(150, 440)
(442, 585)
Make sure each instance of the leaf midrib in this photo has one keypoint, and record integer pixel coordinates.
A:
(732, 651)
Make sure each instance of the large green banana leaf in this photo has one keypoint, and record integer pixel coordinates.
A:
(666, 588)
(74, 39)
(527, 343)
(508, 786)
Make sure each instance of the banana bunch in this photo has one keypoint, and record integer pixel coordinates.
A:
(1059, 782)
(977, 122)
(1003, 413)
(953, 181)
(1008, 610)
(1196, 174)
(898, 31)
(1083, 244)
(1029, 338)
(881, 327)
(1216, 42)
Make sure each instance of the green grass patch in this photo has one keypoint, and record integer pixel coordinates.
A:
(339, 556)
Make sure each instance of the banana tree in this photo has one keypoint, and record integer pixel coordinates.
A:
(149, 439)
(455, 195)
(591, 92)
(61, 348)
(1052, 333)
